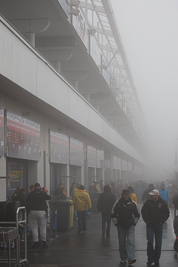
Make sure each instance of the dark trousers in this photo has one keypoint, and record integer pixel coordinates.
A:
(82, 221)
(156, 231)
(106, 219)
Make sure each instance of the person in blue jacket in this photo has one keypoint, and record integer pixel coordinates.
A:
(164, 193)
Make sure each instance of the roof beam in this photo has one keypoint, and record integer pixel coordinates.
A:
(92, 7)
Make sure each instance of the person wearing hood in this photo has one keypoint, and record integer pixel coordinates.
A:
(146, 195)
(105, 203)
(82, 202)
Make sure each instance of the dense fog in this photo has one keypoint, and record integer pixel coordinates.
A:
(148, 30)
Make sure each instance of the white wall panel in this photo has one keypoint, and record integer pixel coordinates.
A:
(20, 64)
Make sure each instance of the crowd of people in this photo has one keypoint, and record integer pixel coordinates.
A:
(122, 208)
(116, 203)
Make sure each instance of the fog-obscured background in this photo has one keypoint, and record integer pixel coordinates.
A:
(149, 32)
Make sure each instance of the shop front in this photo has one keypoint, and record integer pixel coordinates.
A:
(76, 161)
(59, 160)
(22, 146)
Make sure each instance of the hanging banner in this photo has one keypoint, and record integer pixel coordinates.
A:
(100, 158)
(23, 137)
(76, 152)
(59, 148)
(91, 156)
(1, 132)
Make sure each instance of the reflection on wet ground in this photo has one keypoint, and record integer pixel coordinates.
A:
(92, 250)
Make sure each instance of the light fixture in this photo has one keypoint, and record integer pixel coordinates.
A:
(74, 11)
(104, 66)
(92, 31)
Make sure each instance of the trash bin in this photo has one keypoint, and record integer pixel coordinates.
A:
(64, 214)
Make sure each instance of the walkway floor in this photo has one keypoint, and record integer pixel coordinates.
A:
(92, 250)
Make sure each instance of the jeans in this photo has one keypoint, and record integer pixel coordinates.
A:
(126, 242)
(106, 218)
(154, 230)
(81, 221)
(75, 214)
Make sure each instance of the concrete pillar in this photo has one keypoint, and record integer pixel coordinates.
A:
(76, 85)
(108, 171)
(31, 38)
(3, 181)
(68, 183)
(87, 97)
(57, 65)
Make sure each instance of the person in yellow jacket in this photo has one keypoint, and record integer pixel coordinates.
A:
(133, 196)
(82, 202)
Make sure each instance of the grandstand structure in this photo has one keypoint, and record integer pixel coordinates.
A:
(69, 107)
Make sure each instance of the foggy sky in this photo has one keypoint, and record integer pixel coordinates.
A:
(149, 32)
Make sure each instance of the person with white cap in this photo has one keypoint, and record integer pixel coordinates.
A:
(155, 212)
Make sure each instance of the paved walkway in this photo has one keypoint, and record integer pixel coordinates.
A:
(92, 250)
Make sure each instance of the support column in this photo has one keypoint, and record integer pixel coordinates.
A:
(31, 38)
(68, 183)
(3, 181)
(75, 85)
(87, 97)
(57, 65)
(108, 171)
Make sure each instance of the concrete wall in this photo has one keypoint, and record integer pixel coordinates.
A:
(22, 65)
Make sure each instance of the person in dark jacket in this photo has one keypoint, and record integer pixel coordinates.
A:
(60, 193)
(125, 215)
(146, 195)
(21, 197)
(155, 212)
(105, 203)
(14, 196)
(36, 208)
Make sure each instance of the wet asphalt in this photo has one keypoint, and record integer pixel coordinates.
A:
(92, 250)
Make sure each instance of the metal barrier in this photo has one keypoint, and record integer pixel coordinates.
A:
(11, 233)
